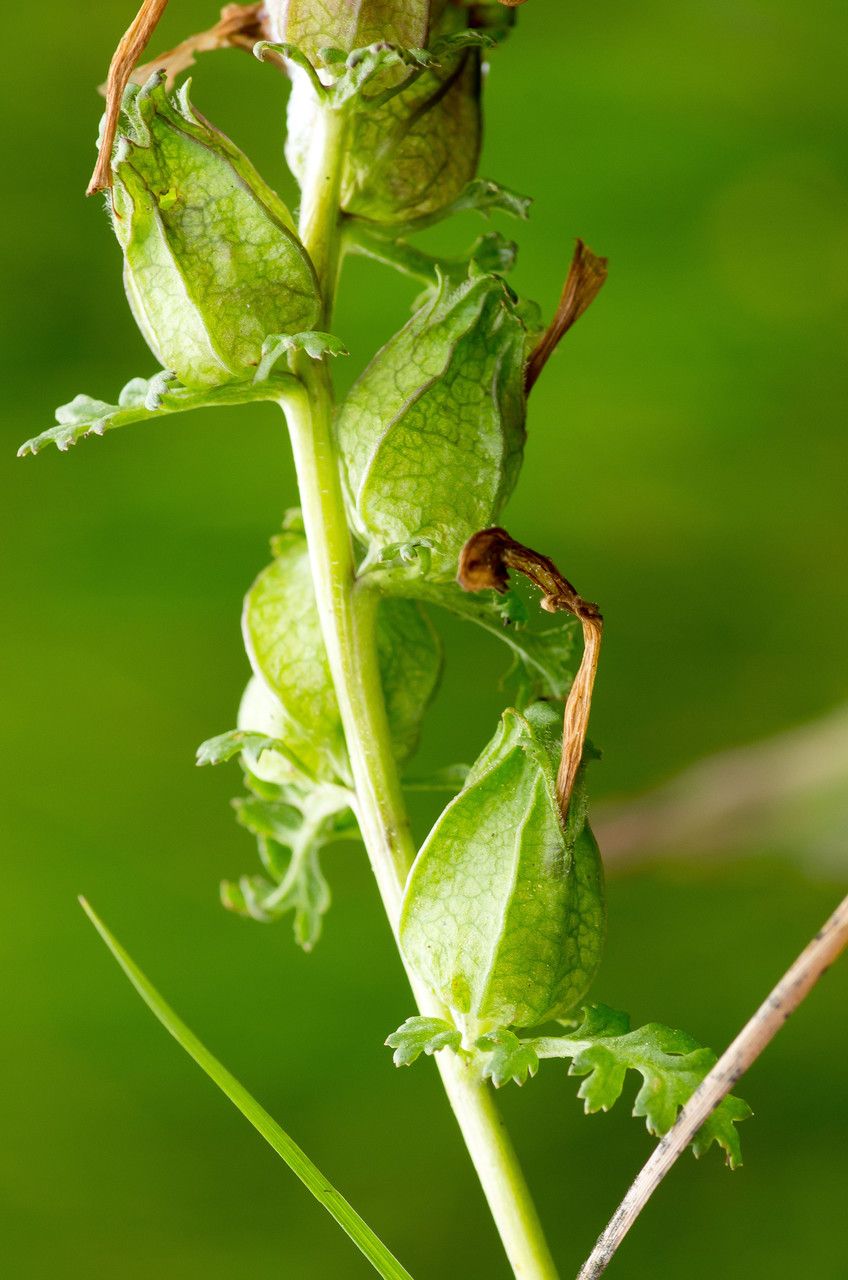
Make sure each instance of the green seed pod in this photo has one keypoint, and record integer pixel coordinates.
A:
(212, 262)
(282, 633)
(432, 432)
(313, 25)
(410, 156)
(503, 912)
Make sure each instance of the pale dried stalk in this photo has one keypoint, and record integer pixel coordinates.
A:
(825, 948)
(484, 564)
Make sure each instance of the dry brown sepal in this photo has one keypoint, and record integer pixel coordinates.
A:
(585, 279)
(484, 564)
(239, 26)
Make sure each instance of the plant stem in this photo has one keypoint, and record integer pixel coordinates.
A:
(347, 610)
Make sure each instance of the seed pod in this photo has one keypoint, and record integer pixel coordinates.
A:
(282, 633)
(212, 262)
(503, 912)
(313, 25)
(432, 432)
(410, 156)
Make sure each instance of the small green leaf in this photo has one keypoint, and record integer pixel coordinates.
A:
(315, 344)
(302, 889)
(422, 1035)
(507, 1058)
(486, 197)
(222, 748)
(270, 51)
(671, 1063)
(143, 400)
(503, 911)
(383, 1262)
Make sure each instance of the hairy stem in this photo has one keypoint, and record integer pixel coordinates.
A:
(347, 610)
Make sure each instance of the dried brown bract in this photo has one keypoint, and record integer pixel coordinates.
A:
(484, 564)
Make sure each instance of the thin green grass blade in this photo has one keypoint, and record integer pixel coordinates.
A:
(345, 1215)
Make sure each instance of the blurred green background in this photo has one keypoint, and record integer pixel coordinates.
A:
(686, 467)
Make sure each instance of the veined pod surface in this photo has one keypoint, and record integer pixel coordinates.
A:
(410, 156)
(313, 25)
(503, 913)
(432, 433)
(282, 633)
(212, 262)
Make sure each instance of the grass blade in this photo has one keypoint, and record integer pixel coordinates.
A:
(382, 1260)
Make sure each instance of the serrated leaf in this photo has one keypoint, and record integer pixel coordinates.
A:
(143, 400)
(422, 1035)
(432, 433)
(507, 1058)
(224, 746)
(382, 1260)
(292, 825)
(486, 197)
(302, 890)
(279, 821)
(671, 1063)
(313, 343)
(503, 911)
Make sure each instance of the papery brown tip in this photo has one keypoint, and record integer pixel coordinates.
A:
(130, 48)
(484, 563)
(585, 279)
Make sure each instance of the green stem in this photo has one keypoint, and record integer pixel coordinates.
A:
(347, 611)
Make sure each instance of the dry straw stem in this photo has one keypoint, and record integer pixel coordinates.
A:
(585, 279)
(484, 564)
(825, 948)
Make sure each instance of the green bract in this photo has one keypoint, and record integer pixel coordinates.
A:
(315, 25)
(503, 912)
(212, 262)
(431, 434)
(282, 633)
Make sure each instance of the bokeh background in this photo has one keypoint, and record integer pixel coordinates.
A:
(687, 468)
